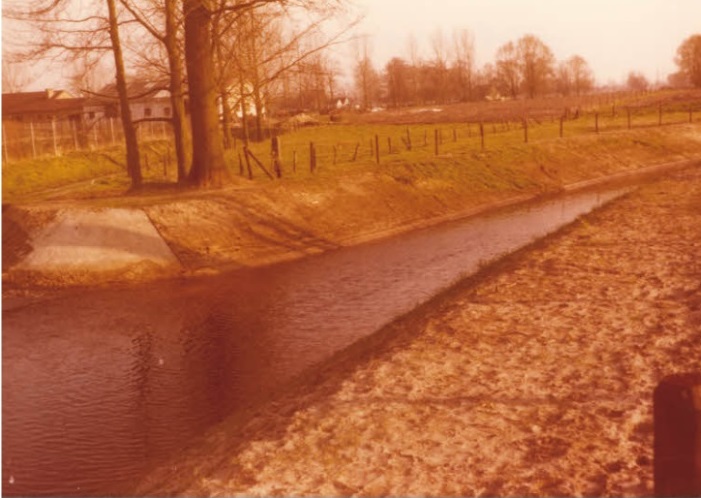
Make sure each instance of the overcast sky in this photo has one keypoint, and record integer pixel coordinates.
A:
(614, 36)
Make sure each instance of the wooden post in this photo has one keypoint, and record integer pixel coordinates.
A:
(294, 161)
(335, 153)
(389, 144)
(562, 119)
(248, 162)
(677, 435)
(596, 122)
(435, 134)
(276, 152)
(355, 153)
(425, 138)
(525, 130)
(408, 139)
(628, 112)
(312, 157)
(377, 149)
(34, 147)
(53, 134)
(455, 135)
(75, 135)
(482, 134)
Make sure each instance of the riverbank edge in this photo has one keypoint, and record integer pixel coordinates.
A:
(200, 471)
(221, 231)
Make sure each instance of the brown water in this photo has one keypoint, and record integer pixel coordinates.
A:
(100, 385)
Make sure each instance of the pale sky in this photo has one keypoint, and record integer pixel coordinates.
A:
(614, 36)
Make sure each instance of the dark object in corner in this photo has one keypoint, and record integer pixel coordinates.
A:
(677, 419)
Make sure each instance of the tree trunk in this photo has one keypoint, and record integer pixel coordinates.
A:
(133, 159)
(177, 93)
(208, 166)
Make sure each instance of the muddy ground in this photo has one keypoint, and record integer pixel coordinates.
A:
(534, 377)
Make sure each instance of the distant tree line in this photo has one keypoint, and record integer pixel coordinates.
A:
(522, 68)
(525, 67)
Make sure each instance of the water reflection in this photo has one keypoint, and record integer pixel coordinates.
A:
(99, 386)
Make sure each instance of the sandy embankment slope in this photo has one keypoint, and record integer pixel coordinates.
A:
(533, 378)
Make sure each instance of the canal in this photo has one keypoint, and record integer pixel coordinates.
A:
(99, 385)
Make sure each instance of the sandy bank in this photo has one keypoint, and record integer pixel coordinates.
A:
(533, 378)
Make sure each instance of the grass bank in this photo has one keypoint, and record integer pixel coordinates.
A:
(260, 221)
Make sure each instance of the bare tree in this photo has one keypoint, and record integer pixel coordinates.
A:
(508, 72)
(365, 74)
(536, 62)
(440, 62)
(689, 59)
(637, 81)
(67, 33)
(464, 49)
(15, 76)
(581, 74)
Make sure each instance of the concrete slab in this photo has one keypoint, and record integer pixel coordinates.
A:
(98, 241)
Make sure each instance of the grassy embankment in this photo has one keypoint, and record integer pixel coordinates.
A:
(505, 162)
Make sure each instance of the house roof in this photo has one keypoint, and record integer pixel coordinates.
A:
(46, 102)
(137, 91)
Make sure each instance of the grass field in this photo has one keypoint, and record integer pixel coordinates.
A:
(406, 140)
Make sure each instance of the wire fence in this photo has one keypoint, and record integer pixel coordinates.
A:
(29, 139)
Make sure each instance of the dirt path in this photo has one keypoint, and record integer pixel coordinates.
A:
(533, 378)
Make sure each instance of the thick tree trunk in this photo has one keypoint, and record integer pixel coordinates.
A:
(208, 166)
(133, 158)
(177, 93)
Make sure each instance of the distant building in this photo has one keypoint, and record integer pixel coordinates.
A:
(146, 100)
(48, 105)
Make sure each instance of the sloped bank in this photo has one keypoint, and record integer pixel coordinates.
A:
(250, 225)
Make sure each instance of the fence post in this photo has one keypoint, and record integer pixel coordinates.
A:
(112, 130)
(408, 139)
(355, 153)
(53, 134)
(435, 134)
(482, 134)
(312, 157)
(525, 130)
(389, 144)
(377, 149)
(455, 135)
(276, 152)
(31, 131)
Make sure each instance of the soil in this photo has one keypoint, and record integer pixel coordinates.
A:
(534, 377)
